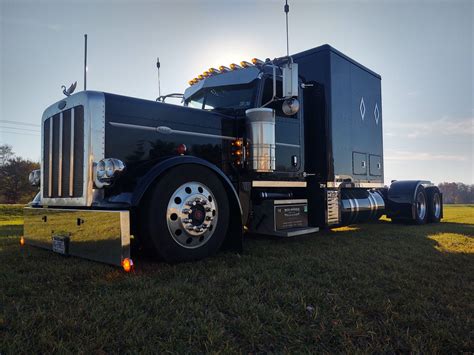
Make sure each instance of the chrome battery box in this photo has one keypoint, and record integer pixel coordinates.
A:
(282, 218)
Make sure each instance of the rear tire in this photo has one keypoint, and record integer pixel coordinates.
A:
(187, 214)
(420, 206)
(435, 205)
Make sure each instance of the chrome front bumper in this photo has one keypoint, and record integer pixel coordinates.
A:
(96, 235)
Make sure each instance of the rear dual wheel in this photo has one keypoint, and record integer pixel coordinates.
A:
(187, 214)
(435, 205)
(428, 205)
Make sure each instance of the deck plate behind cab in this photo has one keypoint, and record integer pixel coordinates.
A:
(96, 235)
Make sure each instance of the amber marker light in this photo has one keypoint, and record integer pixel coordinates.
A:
(191, 82)
(245, 64)
(22, 241)
(223, 69)
(213, 71)
(234, 66)
(257, 61)
(205, 74)
(127, 264)
(200, 76)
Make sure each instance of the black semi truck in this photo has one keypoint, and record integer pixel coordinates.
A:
(279, 147)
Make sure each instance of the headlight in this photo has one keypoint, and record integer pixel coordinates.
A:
(106, 171)
(35, 177)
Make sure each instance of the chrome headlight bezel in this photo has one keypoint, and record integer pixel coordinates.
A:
(106, 171)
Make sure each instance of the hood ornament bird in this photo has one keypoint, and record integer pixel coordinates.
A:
(71, 89)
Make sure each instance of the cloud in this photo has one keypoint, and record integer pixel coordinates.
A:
(421, 156)
(442, 127)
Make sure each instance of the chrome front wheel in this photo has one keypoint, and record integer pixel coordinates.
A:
(192, 214)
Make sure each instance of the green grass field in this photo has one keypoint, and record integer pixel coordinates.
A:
(368, 288)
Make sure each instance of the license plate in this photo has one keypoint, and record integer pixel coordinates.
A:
(60, 244)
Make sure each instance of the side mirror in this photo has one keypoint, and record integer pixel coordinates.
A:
(290, 106)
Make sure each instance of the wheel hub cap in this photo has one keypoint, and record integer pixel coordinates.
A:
(192, 214)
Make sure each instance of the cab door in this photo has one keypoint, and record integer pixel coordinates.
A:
(288, 131)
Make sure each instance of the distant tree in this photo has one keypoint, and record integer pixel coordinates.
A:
(6, 153)
(456, 192)
(14, 184)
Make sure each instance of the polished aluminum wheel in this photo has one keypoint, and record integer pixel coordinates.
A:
(421, 205)
(437, 206)
(192, 215)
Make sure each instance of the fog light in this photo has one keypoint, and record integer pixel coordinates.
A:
(127, 264)
(106, 171)
(35, 177)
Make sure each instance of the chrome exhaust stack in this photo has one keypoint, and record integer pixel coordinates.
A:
(260, 124)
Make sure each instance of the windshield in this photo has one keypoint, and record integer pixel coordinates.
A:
(225, 98)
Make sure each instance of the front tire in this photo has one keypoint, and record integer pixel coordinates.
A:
(187, 214)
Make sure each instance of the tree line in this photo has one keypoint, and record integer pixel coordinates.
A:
(15, 187)
(457, 192)
(14, 184)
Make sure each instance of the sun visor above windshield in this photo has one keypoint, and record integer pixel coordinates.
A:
(234, 77)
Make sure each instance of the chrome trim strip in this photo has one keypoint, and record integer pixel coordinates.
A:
(287, 202)
(369, 185)
(262, 183)
(50, 182)
(60, 153)
(71, 157)
(289, 145)
(168, 130)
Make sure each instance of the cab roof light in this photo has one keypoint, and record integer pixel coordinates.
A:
(245, 64)
(223, 68)
(192, 82)
(257, 61)
(213, 71)
(234, 66)
(200, 76)
(205, 74)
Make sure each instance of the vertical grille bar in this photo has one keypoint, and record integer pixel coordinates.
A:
(71, 156)
(50, 157)
(60, 158)
(46, 149)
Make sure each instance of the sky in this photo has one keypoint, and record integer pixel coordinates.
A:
(422, 49)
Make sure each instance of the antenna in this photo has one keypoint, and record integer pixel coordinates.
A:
(286, 8)
(85, 62)
(158, 67)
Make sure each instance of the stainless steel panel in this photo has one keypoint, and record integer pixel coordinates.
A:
(359, 163)
(96, 235)
(85, 112)
(375, 165)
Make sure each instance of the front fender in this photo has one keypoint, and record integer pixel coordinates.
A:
(235, 231)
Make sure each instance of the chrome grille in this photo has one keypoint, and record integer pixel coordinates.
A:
(63, 154)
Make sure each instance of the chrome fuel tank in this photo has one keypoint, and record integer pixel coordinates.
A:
(360, 205)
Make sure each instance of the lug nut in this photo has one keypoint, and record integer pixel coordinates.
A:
(187, 220)
(208, 209)
(209, 218)
(186, 211)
